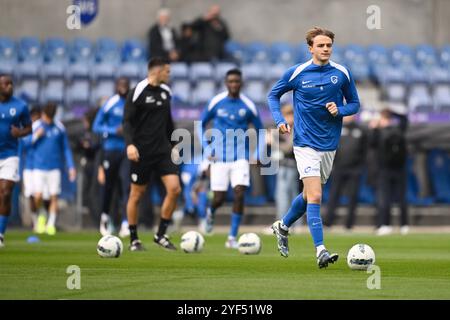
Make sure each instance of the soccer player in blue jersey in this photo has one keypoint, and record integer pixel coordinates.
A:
(115, 164)
(50, 155)
(231, 112)
(319, 87)
(15, 123)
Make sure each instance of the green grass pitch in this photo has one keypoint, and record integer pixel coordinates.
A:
(416, 266)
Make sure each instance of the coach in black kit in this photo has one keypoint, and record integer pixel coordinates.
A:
(147, 129)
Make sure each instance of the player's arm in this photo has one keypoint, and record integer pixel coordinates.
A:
(351, 98)
(282, 86)
(100, 126)
(205, 118)
(25, 125)
(68, 157)
(128, 128)
(38, 132)
(260, 135)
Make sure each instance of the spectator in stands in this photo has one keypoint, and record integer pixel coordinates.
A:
(213, 32)
(162, 38)
(388, 138)
(189, 45)
(348, 167)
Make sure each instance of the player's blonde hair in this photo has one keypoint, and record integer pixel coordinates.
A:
(318, 31)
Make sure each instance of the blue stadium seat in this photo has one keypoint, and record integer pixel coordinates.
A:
(417, 75)
(396, 92)
(53, 91)
(256, 52)
(441, 98)
(221, 70)
(444, 56)
(77, 93)
(107, 51)
(105, 70)
(235, 50)
(256, 91)
(102, 89)
(426, 55)
(356, 60)
(253, 71)
(283, 53)
(203, 92)
(438, 75)
(81, 50)
(131, 70)
(438, 164)
(30, 49)
(338, 54)
(28, 90)
(275, 71)
(179, 70)
(419, 99)
(55, 49)
(303, 53)
(403, 56)
(201, 71)
(181, 91)
(8, 55)
(133, 50)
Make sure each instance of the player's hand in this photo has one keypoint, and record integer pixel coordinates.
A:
(72, 174)
(15, 131)
(284, 128)
(39, 132)
(332, 108)
(132, 153)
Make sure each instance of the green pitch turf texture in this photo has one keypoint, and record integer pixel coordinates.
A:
(415, 266)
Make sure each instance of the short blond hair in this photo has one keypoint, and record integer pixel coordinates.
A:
(318, 31)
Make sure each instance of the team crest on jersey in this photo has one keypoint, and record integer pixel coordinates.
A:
(334, 79)
(134, 177)
(12, 112)
(242, 112)
(163, 95)
(118, 112)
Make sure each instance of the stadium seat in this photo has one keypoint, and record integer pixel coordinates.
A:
(444, 56)
(53, 91)
(8, 55)
(256, 91)
(221, 70)
(256, 52)
(402, 56)
(179, 70)
(104, 70)
(441, 98)
(81, 50)
(102, 89)
(282, 53)
(417, 75)
(253, 71)
(28, 89)
(131, 70)
(395, 92)
(438, 75)
(234, 50)
(302, 53)
(181, 91)
(201, 71)
(275, 71)
(419, 99)
(203, 92)
(438, 164)
(107, 51)
(426, 56)
(78, 93)
(133, 50)
(30, 58)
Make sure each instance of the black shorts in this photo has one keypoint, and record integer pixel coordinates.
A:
(161, 165)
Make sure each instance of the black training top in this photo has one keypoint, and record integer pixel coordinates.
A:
(147, 121)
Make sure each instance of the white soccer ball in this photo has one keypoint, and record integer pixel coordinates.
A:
(192, 241)
(360, 257)
(109, 247)
(249, 243)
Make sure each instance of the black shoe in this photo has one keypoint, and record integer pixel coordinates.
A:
(164, 242)
(136, 245)
(325, 257)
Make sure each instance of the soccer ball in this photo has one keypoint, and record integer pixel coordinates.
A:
(249, 243)
(192, 241)
(360, 257)
(109, 247)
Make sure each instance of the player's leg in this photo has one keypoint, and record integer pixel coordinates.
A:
(354, 179)
(38, 177)
(28, 193)
(125, 191)
(111, 166)
(172, 186)
(53, 182)
(240, 180)
(140, 173)
(220, 179)
(136, 193)
(6, 187)
(384, 197)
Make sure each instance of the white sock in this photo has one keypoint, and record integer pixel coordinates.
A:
(319, 249)
(51, 219)
(283, 226)
(231, 238)
(104, 217)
